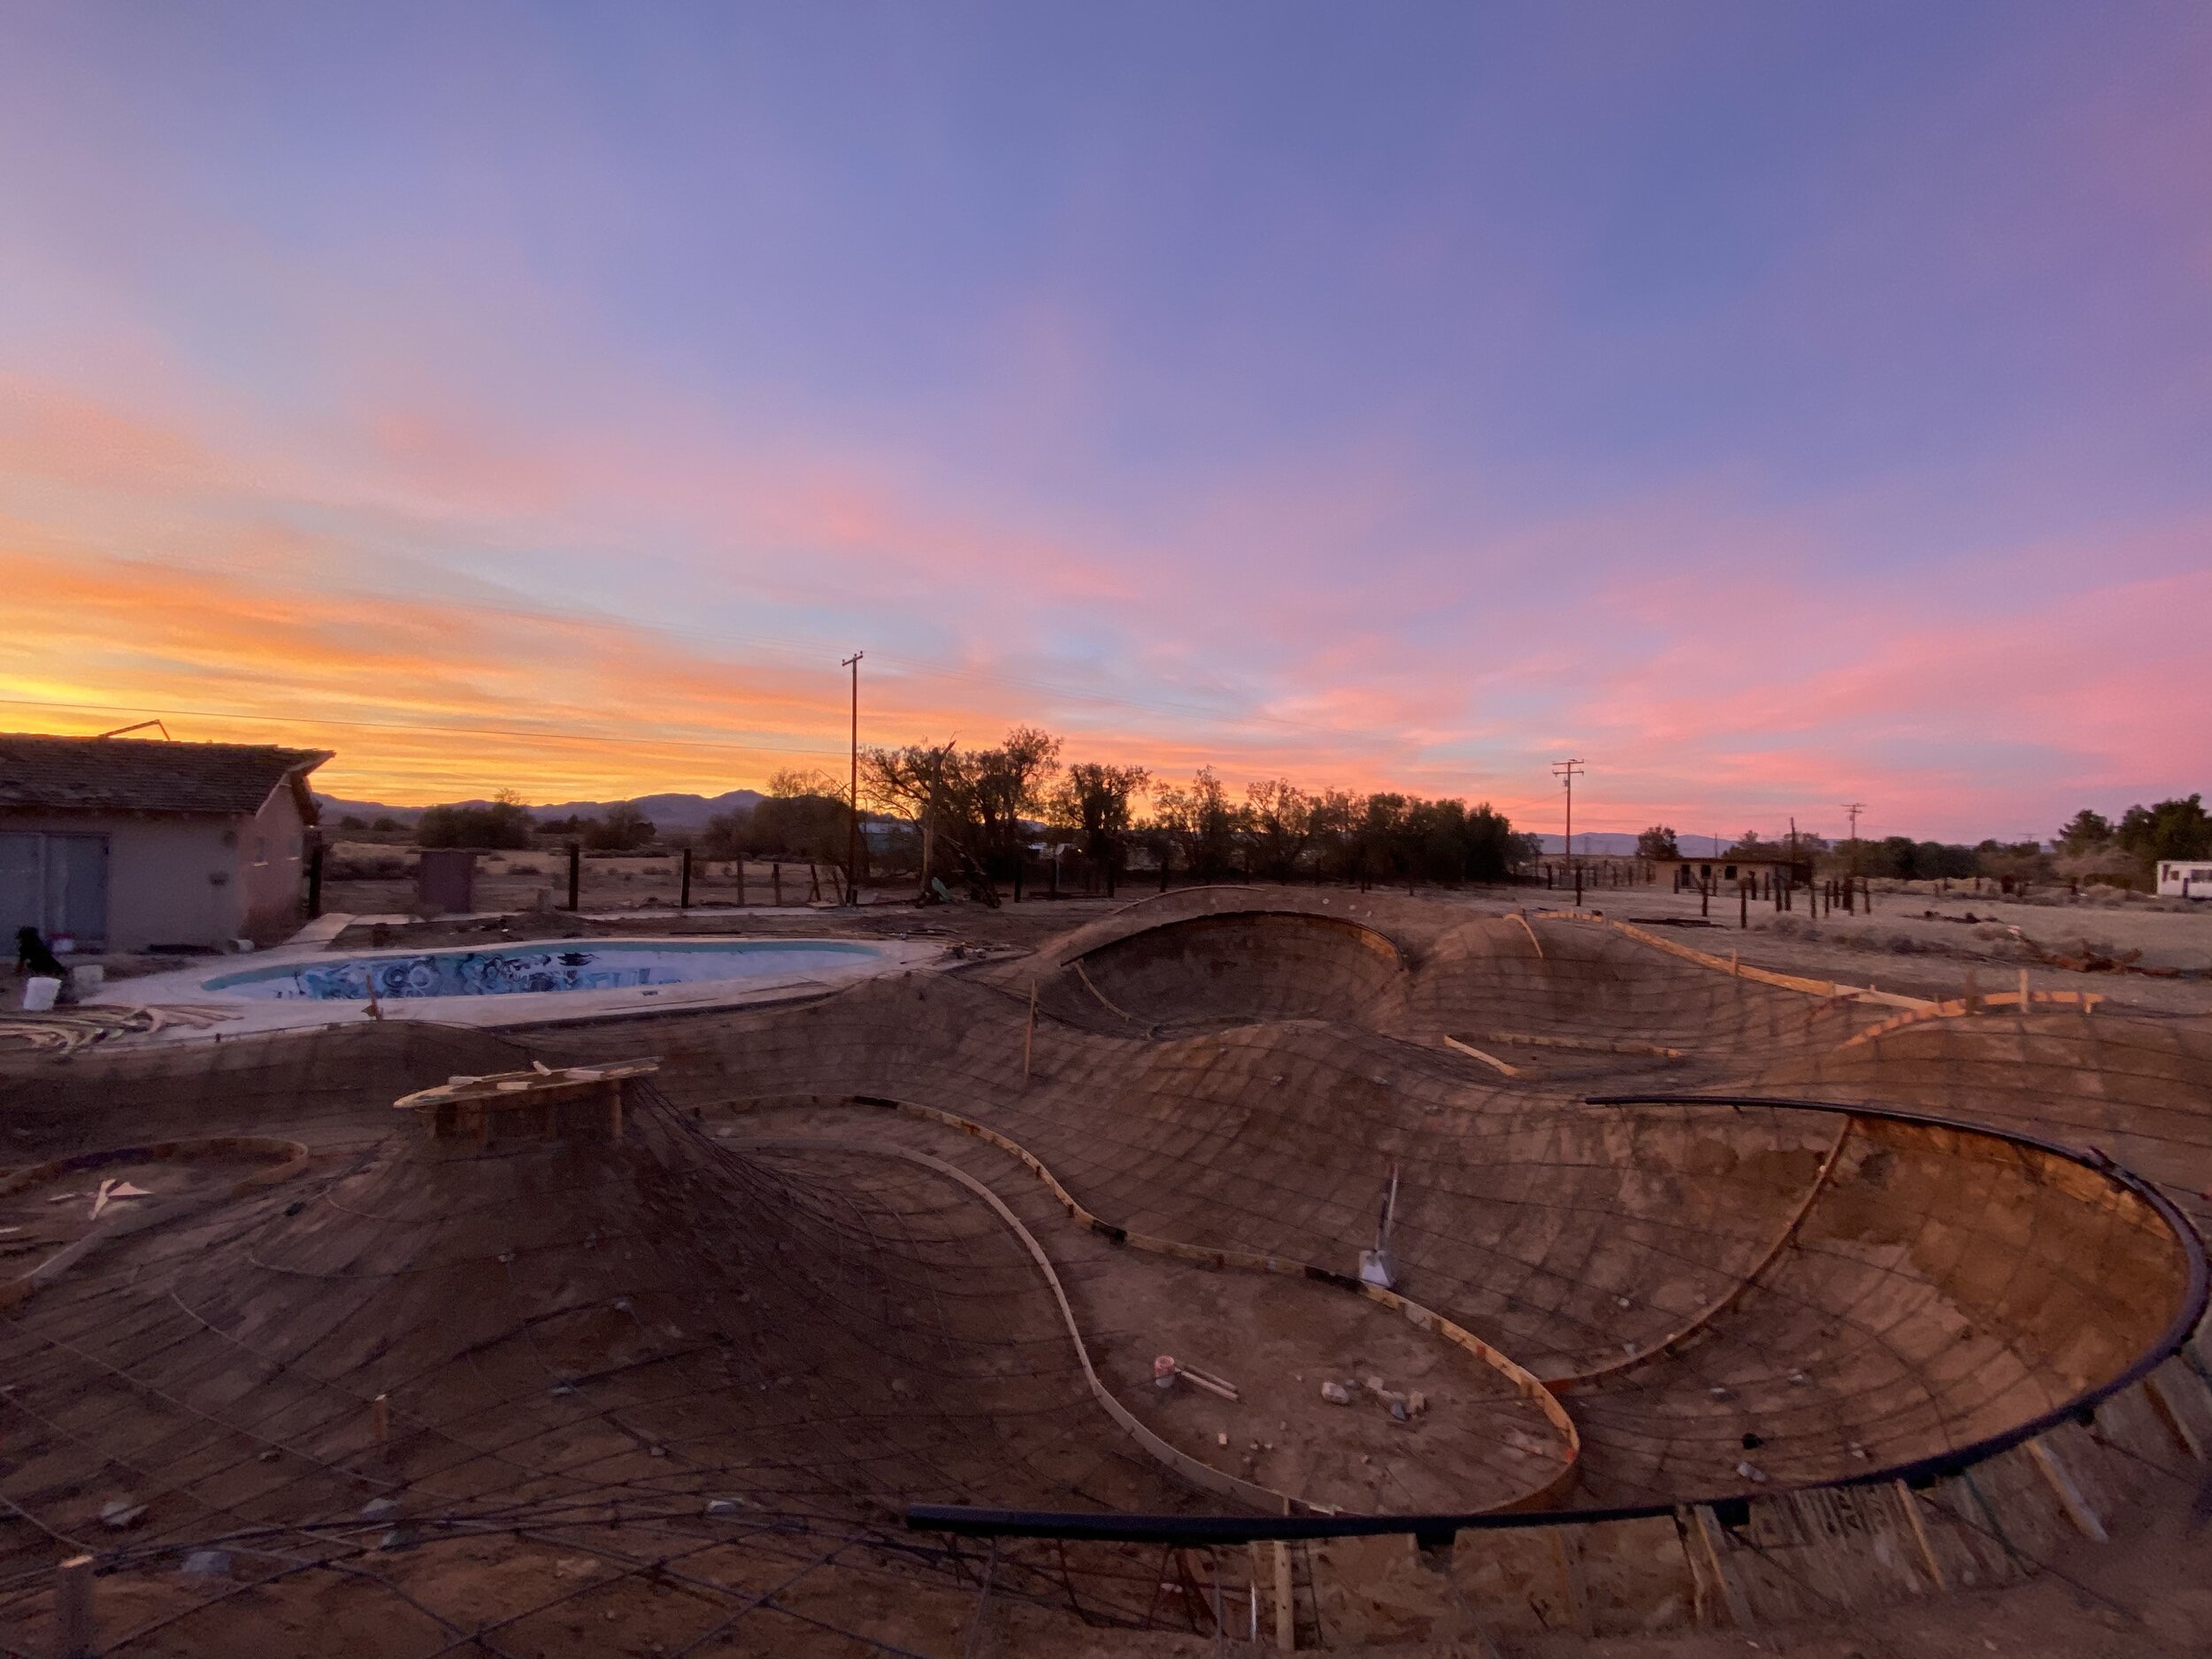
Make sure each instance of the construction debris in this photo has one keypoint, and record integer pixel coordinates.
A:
(1166, 1369)
(73, 1030)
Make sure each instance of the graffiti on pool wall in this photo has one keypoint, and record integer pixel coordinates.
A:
(486, 974)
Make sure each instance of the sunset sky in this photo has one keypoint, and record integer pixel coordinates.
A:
(1776, 405)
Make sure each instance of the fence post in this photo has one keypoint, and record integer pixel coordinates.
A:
(683, 892)
(741, 883)
(775, 883)
(575, 872)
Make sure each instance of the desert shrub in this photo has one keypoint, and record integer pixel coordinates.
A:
(494, 824)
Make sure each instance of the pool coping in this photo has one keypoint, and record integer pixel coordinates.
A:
(253, 1016)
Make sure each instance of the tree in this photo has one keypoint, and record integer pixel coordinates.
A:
(2085, 832)
(1278, 819)
(625, 829)
(970, 806)
(1493, 852)
(1003, 785)
(1332, 820)
(1092, 800)
(724, 834)
(1657, 843)
(1200, 822)
(502, 822)
(2171, 829)
(793, 783)
(350, 822)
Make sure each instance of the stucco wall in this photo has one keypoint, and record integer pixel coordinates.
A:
(162, 885)
(271, 874)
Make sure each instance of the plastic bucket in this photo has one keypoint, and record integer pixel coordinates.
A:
(39, 993)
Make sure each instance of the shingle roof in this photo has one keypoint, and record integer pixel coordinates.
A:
(122, 774)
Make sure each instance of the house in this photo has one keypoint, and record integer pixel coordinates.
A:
(127, 843)
(2185, 877)
(1727, 869)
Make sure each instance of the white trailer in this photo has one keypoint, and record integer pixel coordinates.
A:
(2184, 878)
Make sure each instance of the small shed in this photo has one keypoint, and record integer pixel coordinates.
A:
(127, 843)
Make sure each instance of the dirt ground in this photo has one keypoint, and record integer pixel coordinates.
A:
(2146, 1594)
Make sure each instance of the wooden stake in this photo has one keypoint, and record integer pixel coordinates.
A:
(72, 1609)
(1286, 1608)
(2085, 1519)
(1911, 1506)
(2170, 1414)
(775, 878)
(1709, 1533)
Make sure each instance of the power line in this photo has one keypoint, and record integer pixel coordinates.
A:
(537, 732)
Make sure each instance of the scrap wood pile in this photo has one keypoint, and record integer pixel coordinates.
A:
(72, 1030)
(2090, 959)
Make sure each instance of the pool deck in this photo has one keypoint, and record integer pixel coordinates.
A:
(254, 1017)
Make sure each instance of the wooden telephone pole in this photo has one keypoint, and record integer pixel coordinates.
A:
(852, 840)
(1567, 770)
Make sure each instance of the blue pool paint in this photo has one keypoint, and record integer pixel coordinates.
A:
(512, 970)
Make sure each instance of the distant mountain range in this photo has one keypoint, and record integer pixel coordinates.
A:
(690, 813)
(1593, 843)
(667, 812)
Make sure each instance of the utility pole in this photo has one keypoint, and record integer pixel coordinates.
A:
(1855, 809)
(1567, 770)
(852, 840)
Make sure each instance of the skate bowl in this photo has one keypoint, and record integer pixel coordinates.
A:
(1235, 968)
(1827, 1323)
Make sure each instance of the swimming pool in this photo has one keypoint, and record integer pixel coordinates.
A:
(521, 969)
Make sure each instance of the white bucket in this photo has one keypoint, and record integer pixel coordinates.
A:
(39, 993)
